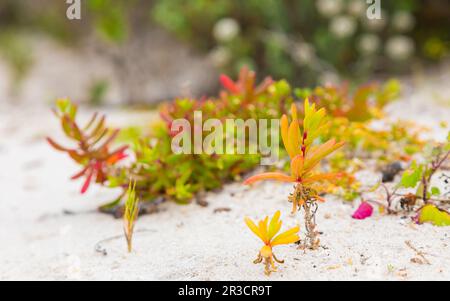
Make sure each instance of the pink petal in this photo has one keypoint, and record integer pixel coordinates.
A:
(364, 210)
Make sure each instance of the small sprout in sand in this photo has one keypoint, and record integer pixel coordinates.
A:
(130, 214)
(266, 232)
(419, 177)
(305, 157)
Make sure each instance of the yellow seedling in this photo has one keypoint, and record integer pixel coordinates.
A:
(305, 157)
(130, 214)
(266, 232)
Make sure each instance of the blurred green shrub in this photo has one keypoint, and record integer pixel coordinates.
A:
(305, 41)
(15, 50)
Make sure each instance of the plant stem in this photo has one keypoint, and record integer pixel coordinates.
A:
(435, 165)
(389, 196)
(311, 241)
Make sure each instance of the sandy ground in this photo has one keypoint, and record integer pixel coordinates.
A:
(40, 242)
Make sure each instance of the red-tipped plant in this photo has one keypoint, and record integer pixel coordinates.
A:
(94, 140)
(245, 85)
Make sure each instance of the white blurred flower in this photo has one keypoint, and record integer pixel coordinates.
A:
(368, 43)
(376, 24)
(343, 26)
(356, 7)
(303, 53)
(220, 56)
(328, 78)
(226, 29)
(403, 21)
(329, 8)
(399, 47)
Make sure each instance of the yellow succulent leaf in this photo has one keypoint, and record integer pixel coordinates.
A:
(286, 240)
(294, 112)
(284, 130)
(251, 225)
(320, 153)
(315, 134)
(316, 119)
(306, 108)
(284, 235)
(263, 230)
(312, 156)
(275, 225)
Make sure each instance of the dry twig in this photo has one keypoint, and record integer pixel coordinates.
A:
(418, 253)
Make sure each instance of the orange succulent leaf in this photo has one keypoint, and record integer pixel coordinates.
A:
(322, 177)
(293, 146)
(277, 176)
(297, 166)
(117, 155)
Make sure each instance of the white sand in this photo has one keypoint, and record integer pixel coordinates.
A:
(191, 242)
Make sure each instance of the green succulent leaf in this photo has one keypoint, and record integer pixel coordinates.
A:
(434, 215)
(435, 191)
(412, 176)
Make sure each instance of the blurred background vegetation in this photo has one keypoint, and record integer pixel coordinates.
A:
(308, 42)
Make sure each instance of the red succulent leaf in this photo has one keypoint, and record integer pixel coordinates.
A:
(228, 84)
(87, 182)
(264, 85)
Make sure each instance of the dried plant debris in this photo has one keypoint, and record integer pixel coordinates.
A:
(420, 255)
(222, 209)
